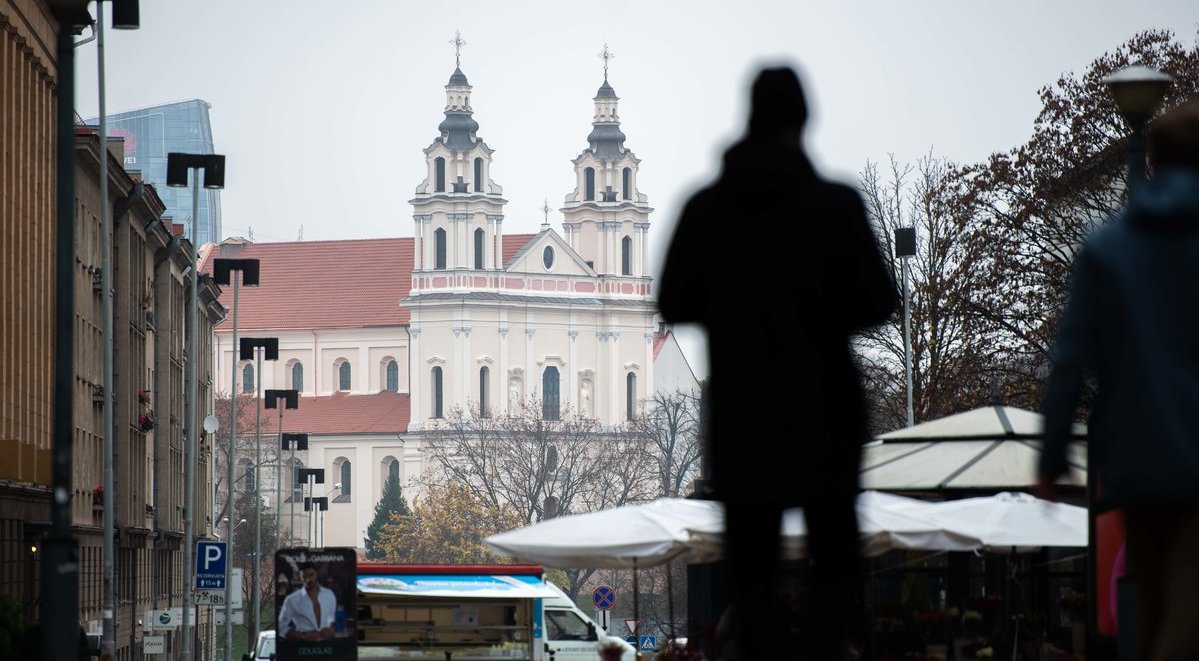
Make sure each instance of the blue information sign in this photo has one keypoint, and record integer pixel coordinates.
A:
(210, 565)
(604, 597)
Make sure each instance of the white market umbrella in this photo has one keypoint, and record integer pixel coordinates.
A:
(632, 536)
(639, 535)
(991, 447)
(1013, 520)
(885, 522)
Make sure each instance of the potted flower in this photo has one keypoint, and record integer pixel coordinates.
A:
(98, 495)
(145, 422)
(143, 396)
(610, 649)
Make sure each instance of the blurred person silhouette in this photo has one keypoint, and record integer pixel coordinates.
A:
(1131, 323)
(780, 267)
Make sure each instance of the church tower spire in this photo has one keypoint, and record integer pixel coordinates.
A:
(458, 209)
(606, 219)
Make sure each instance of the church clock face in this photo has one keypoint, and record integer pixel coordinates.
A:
(547, 257)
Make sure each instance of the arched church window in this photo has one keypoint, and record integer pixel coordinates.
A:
(247, 378)
(439, 248)
(437, 383)
(479, 243)
(393, 375)
(589, 183)
(343, 375)
(627, 183)
(626, 256)
(297, 376)
(484, 392)
(478, 175)
(439, 174)
(630, 396)
(549, 393)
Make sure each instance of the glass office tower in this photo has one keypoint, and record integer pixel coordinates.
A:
(150, 134)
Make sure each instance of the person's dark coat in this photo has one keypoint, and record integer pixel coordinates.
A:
(1133, 317)
(780, 267)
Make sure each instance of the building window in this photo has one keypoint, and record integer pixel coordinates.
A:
(393, 375)
(439, 248)
(547, 257)
(297, 376)
(479, 248)
(393, 469)
(630, 398)
(343, 375)
(484, 393)
(437, 403)
(439, 174)
(626, 256)
(549, 393)
(344, 472)
(627, 184)
(478, 175)
(247, 472)
(297, 483)
(247, 378)
(589, 183)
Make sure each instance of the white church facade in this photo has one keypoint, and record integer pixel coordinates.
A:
(385, 337)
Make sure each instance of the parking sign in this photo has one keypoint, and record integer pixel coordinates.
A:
(210, 566)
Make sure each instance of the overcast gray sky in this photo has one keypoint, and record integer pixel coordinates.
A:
(322, 108)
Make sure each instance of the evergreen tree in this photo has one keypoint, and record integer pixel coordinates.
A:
(392, 501)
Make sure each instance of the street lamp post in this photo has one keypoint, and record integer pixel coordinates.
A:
(222, 273)
(125, 16)
(293, 442)
(249, 349)
(312, 477)
(1138, 92)
(905, 249)
(178, 167)
(291, 400)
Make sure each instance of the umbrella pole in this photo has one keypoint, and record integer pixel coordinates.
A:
(670, 599)
(636, 615)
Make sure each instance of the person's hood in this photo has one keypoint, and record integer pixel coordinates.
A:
(1168, 202)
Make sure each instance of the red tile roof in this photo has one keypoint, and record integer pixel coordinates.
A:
(381, 413)
(512, 244)
(659, 341)
(322, 284)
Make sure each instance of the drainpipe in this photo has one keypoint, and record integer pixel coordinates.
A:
(119, 211)
(160, 257)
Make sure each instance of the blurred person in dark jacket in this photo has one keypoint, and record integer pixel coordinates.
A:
(1132, 322)
(780, 267)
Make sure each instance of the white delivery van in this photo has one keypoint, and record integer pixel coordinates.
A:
(471, 613)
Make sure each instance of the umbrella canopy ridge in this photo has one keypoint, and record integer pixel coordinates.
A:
(992, 447)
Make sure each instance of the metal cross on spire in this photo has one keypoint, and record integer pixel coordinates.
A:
(457, 42)
(605, 55)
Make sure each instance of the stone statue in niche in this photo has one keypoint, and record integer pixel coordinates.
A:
(585, 398)
(513, 397)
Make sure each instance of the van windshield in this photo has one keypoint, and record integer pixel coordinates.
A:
(266, 647)
(566, 625)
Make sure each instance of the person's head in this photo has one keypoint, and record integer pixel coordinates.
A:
(308, 576)
(1174, 138)
(777, 103)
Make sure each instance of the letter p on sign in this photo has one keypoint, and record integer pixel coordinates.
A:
(211, 554)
